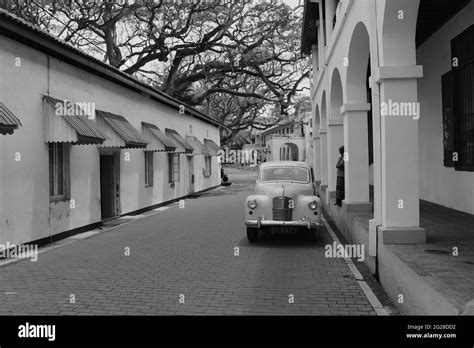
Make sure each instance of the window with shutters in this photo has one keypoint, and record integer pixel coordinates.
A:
(458, 104)
(207, 164)
(447, 83)
(173, 168)
(149, 168)
(58, 171)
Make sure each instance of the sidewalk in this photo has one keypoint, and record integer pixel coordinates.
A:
(430, 277)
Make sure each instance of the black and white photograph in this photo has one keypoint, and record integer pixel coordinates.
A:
(297, 170)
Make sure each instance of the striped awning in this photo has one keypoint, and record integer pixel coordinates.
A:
(182, 146)
(8, 121)
(119, 131)
(212, 147)
(157, 140)
(199, 148)
(67, 122)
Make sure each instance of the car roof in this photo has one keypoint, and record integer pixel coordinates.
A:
(285, 164)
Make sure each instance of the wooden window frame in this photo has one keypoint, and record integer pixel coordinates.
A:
(207, 166)
(55, 197)
(458, 51)
(174, 167)
(149, 168)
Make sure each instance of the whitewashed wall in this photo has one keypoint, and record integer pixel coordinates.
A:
(25, 211)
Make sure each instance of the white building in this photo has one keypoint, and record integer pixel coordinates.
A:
(290, 141)
(392, 81)
(127, 148)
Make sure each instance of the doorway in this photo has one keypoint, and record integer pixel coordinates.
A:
(109, 185)
(191, 174)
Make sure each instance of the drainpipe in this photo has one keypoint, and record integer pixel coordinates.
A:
(375, 90)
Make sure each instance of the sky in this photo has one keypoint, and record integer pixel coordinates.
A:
(293, 3)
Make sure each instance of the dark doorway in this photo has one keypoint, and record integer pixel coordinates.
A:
(109, 186)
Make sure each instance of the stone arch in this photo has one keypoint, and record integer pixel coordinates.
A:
(358, 58)
(335, 100)
(323, 122)
(397, 44)
(317, 120)
(289, 152)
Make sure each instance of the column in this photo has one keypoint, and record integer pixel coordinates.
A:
(317, 157)
(356, 166)
(323, 150)
(399, 152)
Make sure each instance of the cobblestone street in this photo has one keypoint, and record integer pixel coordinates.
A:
(184, 255)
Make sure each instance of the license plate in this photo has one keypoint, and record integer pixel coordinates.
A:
(283, 229)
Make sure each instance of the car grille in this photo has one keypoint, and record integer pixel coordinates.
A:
(281, 209)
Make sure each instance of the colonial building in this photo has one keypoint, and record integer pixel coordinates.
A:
(288, 142)
(94, 143)
(392, 81)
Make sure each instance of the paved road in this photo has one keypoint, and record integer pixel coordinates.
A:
(184, 254)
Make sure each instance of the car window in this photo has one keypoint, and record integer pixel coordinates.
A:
(285, 174)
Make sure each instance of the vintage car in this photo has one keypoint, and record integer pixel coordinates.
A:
(285, 201)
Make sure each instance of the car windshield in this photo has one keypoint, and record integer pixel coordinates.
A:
(298, 174)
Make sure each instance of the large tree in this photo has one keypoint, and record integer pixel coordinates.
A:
(232, 59)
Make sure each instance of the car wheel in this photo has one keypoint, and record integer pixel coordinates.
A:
(312, 235)
(252, 234)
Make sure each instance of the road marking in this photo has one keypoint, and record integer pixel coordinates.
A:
(369, 294)
(161, 209)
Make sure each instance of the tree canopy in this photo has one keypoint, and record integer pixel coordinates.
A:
(237, 61)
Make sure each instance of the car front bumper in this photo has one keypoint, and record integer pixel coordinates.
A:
(259, 223)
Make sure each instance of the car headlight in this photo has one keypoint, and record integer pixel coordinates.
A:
(313, 205)
(252, 204)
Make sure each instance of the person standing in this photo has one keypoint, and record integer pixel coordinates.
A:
(340, 178)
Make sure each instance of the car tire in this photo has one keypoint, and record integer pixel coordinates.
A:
(312, 235)
(252, 234)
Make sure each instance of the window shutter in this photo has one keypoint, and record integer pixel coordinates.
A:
(170, 167)
(462, 48)
(447, 85)
(462, 54)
